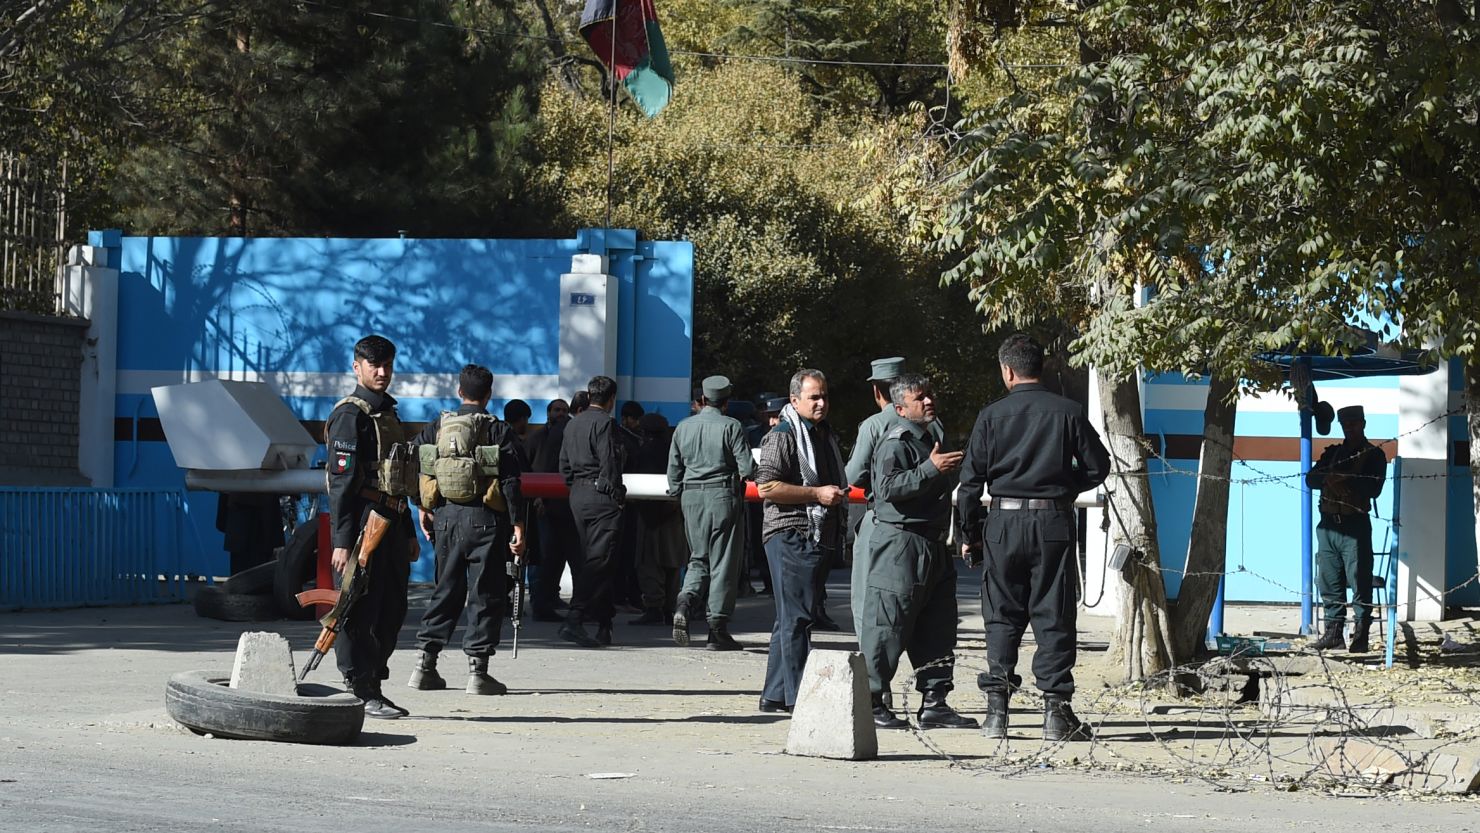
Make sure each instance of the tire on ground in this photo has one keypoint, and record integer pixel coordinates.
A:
(252, 581)
(319, 714)
(214, 603)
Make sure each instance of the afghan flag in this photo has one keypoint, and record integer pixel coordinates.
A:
(625, 36)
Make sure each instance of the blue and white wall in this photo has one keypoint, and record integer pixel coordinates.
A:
(1406, 416)
(288, 311)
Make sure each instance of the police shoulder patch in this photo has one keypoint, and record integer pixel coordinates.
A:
(341, 462)
(348, 446)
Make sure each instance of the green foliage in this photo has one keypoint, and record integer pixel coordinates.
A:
(1215, 180)
(790, 271)
(866, 32)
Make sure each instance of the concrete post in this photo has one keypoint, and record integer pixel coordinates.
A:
(1424, 428)
(588, 318)
(91, 285)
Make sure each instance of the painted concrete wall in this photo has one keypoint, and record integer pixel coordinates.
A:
(1404, 415)
(288, 311)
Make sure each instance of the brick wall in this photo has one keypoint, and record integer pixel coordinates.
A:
(40, 373)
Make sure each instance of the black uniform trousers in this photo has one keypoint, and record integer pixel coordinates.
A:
(472, 549)
(372, 625)
(560, 545)
(599, 524)
(1030, 576)
(798, 570)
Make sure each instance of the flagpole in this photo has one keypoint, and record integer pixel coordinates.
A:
(611, 117)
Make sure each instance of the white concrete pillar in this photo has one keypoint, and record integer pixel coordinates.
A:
(92, 293)
(1094, 602)
(588, 323)
(1423, 540)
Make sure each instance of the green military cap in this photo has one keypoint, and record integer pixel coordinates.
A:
(884, 370)
(716, 387)
(1350, 413)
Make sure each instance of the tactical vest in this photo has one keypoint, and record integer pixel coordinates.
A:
(462, 466)
(1338, 497)
(394, 470)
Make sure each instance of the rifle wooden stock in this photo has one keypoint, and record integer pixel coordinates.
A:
(376, 526)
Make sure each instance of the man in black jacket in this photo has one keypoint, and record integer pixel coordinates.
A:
(591, 463)
(1349, 476)
(361, 434)
(473, 540)
(1035, 451)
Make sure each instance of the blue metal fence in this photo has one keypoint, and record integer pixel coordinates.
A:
(63, 547)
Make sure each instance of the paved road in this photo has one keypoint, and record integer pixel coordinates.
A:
(85, 746)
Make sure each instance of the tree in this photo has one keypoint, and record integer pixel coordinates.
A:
(1193, 192)
(789, 271)
(309, 119)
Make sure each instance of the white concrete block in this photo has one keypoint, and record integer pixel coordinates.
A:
(832, 717)
(264, 663)
(588, 264)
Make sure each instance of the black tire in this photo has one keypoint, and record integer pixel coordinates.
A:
(251, 581)
(319, 714)
(214, 603)
(295, 568)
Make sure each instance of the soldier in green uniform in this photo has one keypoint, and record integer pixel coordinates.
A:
(707, 466)
(1349, 476)
(884, 372)
(909, 593)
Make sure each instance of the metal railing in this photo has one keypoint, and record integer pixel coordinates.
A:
(69, 547)
(33, 228)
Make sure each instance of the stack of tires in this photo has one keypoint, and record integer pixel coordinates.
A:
(267, 591)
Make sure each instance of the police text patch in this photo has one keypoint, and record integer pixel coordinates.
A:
(347, 446)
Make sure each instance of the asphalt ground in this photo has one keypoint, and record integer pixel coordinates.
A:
(640, 736)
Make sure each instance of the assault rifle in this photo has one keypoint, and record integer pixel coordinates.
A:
(351, 587)
(516, 616)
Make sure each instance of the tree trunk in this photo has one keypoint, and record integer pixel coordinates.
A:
(1142, 642)
(1207, 548)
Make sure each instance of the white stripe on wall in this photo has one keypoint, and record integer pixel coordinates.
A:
(1195, 398)
(305, 383)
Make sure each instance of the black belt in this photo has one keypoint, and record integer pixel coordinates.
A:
(731, 485)
(1014, 503)
(383, 500)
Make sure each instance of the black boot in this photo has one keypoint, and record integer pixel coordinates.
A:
(681, 621)
(650, 616)
(604, 634)
(574, 631)
(935, 713)
(424, 676)
(376, 705)
(1331, 639)
(479, 682)
(885, 718)
(823, 622)
(1359, 645)
(720, 639)
(995, 723)
(1060, 722)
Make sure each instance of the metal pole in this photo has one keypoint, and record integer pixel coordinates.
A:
(1392, 563)
(1215, 622)
(1307, 556)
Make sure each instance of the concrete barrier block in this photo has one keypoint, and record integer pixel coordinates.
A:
(264, 663)
(832, 717)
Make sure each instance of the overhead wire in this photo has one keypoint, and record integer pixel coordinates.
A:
(723, 56)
